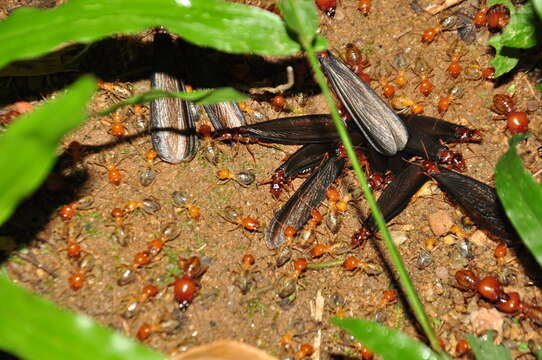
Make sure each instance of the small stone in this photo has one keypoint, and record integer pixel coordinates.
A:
(479, 238)
(449, 239)
(440, 222)
(483, 320)
(398, 237)
(442, 273)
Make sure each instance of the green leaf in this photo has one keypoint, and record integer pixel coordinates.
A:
(505, 58)
(391, 344)
(538, 7)
(32, 140)
(33, 328)
(485, 349)
(538, 86)
(523, 29)
(202, 97)
(521, 197)
(225, 26)
(301, 17)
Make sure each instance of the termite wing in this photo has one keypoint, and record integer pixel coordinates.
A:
(296, 211)
(297, 130)
(479, 201)
(384, 130)
(172, 127)
(225, 115)
(394, 199)
(440, 129)
(306, 157)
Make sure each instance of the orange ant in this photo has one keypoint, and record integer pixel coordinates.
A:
(133, 306)
(169, 327)
(403, 104)
(388, 90)
(455, 52)
(423, 70)
(148, 175)
(67, 212)
(110, 163)
(355, 61)
(180, 199)
(117, 128)
(148, 205)
(352, 263)
(446, 24)
(365, 7)
(400, 63)
(208, 146)
(444, 102)
(243, 178)
(312, 224)
(168, 233)
(234, 216)
(73, 242)
(480, 18)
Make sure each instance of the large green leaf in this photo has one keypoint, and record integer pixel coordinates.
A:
(225, 26)
(538, 7)
(29, 145)
(391, 344)
(521, 197)
(301, 17)
(485, 349)
(34, 328)
(522, 32)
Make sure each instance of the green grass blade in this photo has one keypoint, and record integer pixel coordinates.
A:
(298, 16)
(29, 144)
(485, 349)
(391, 344)
(202, 97)
(521, 197)
(34, 328)
(229, 27)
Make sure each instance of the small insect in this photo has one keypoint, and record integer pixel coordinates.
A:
(327, 6)
(168, 233)
(488, 73)
(192, 267)
(77, 280)
(234, 216)
(140, 121)
(480, 18)
(306, 233)
(503, 104)
(148, 205)
(404, 104)
(365, 7)
(67, 212)
(352, 263)
(73, 241)
(388, 90)
(516, 121)
(133, 306)
(110, 163)
(181, 200)
(455, 52)
(148, 174)
(446, 24)
(498, 17)
(117, 128)
(118, 215)
(118, 90)
(444, 102)
(305, 350)
(388, 297)
(400, 63)
(423, 70)
(243, 178)
(168, 327)
(462, 346)
(208, 146)
(185, 290)
(278, 102)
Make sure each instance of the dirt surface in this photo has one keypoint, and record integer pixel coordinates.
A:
(260, 317)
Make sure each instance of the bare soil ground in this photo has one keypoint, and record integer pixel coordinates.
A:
(259, 317)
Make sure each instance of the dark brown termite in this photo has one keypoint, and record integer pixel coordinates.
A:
(394, 199)
(172, 127)
(297, 211)
(376, 119)
(479, 201)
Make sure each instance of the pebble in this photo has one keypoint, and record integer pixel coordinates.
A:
(483, 320)
(440, 222)
(442, 273)
(398, 237)
(479, 238)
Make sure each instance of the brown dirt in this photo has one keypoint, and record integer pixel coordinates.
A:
(220, 310)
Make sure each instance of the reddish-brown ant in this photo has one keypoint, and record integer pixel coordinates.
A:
(148, 205)
(327, 6)
(444, 102)
(66, 212)
(133, 306)
(365, 7)
(498, 17)
(516, 121)
(455, 52)
(169, 327)
(355, 61)
(234, 216)
(117, 128)
(278, 102)
(480, 18)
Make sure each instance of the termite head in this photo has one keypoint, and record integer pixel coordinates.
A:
(360, 236)
(430, 167)
(455, 159)
(468, 135)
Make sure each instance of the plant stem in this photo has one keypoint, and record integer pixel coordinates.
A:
(408, 287)
(324, 265)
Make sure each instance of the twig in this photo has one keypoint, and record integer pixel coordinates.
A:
(403, 33)
(33, 261)
(277, 89)
(434, 9)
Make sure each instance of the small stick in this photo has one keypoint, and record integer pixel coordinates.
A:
(33, 261)
(325, 264)
(434, 9)
(403, 33)
(280, 88)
